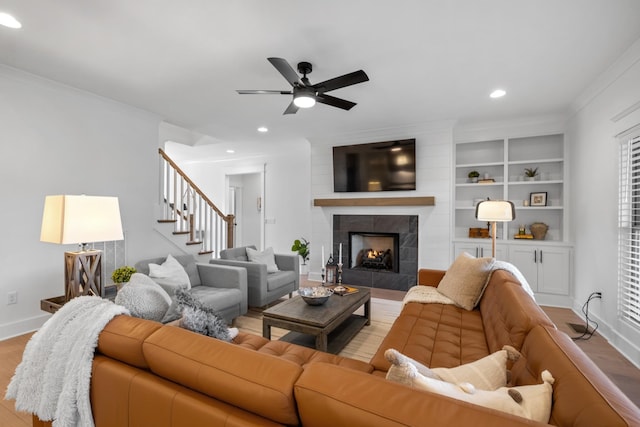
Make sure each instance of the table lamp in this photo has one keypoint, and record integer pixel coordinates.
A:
(495, 211)
(81, 220)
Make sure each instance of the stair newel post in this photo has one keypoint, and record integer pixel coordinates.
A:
(230, 219)
(175, 198)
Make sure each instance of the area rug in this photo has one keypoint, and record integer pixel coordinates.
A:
(362, 347)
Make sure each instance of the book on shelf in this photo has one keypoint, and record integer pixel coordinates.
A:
(486, 181)
(343, 289)
(523, 236)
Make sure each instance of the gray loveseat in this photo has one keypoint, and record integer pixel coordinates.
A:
(223, 288)
(263, 287)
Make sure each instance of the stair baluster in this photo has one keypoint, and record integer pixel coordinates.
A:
(191, 211)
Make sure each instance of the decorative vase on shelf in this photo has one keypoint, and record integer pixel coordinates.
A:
(539, 230)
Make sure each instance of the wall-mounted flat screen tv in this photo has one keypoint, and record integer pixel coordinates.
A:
(378, 166)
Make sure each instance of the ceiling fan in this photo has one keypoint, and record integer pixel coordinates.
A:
(305, 94)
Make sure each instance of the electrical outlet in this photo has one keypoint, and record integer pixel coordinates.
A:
(12, 297)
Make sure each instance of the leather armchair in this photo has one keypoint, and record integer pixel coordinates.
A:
(263, 287)
(224, 288)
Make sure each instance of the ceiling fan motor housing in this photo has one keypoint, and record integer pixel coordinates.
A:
(304, 68)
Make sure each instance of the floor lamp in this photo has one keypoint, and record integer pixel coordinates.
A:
(81, 220)
(494, 211)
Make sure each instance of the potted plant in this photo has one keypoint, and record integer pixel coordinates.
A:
(530, 173)
(122, 275)
(473, 176)
(302, 247)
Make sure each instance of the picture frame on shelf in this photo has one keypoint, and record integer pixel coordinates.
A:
(538, 198)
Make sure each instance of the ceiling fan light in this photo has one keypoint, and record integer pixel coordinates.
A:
(304, 101)
(9, 21)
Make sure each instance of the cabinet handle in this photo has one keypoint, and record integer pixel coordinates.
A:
(540, 256)
(535, 256)
(481, 252)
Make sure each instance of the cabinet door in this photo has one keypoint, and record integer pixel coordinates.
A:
(479, 250)
(526, 260)
(470, 248)
(554, 270)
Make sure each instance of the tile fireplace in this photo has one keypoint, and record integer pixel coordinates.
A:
(379, 251)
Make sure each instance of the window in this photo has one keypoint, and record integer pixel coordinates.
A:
(629, 229)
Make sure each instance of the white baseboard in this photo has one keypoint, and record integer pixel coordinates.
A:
(613, 336)
(21, 327)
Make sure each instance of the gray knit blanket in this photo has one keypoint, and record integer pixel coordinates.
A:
(53, 378)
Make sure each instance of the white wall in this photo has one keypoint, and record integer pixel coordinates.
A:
(433, 178)
(58, 140)
(609, 107)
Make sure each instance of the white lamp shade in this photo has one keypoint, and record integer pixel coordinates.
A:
(495, 210)
(80, 219)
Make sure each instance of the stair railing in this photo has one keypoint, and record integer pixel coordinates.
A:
(191, 211)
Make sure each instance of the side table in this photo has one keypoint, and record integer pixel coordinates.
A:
(51, 305)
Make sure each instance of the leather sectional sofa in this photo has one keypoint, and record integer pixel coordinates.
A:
(147, 374)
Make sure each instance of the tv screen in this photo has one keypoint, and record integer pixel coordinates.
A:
(378, 166)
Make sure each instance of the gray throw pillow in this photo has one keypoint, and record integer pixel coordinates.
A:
(144, 298)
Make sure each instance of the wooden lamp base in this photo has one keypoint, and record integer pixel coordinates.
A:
(83, 274)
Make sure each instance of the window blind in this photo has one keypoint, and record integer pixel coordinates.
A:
(629, 230)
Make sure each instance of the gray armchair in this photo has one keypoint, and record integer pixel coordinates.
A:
(224, 288)
(263, 287)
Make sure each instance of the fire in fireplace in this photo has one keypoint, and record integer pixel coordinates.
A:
(376, 251)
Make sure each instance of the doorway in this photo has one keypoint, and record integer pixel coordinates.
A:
(245, 192)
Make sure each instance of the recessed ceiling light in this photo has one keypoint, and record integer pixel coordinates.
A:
(263, 129)
(230, 151)
(9, 21)
(498, 93)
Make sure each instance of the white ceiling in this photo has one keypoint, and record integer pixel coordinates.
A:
(427, 60)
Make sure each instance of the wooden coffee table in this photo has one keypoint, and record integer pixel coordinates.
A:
(333, 324)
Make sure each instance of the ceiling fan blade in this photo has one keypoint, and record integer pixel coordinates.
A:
(285, 69)
(291, 109)
(342, 81)
(335, 102)
(264, 92)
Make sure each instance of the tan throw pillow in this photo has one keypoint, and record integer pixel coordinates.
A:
(465, 280)
(534, 401)
(488, 373)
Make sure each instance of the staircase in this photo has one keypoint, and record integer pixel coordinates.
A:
(191, 212)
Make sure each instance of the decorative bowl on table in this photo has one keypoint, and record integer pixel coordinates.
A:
(316, 295)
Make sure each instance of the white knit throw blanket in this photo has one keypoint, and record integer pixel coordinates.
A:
(431, 295)
(53, 378)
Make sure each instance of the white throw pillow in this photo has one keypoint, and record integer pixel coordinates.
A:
(465, 281)
(265, 257)
(144, 298)
(170, 275)
(534, 402)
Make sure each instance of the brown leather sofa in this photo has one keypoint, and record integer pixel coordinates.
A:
(147, 374)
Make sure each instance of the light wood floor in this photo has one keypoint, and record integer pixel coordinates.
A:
(622, 372)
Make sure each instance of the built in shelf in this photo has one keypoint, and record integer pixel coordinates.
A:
(378, 201)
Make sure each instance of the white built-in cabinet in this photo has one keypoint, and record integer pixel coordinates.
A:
(479, 250)
(546, 268)
(503, 161)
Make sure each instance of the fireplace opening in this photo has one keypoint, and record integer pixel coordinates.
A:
(373, 251)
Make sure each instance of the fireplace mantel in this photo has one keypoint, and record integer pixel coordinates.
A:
(377, 201)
